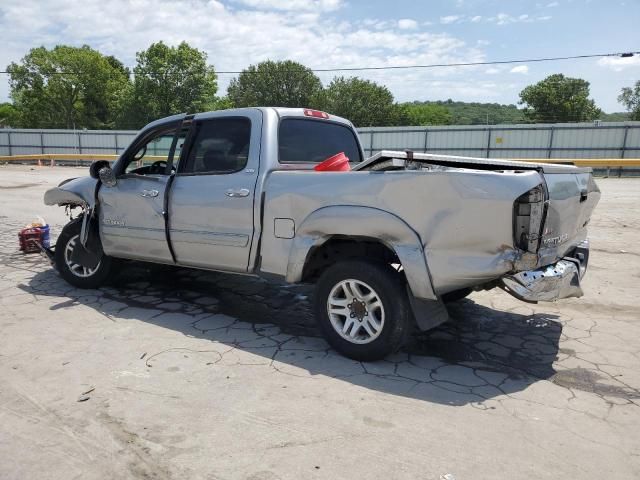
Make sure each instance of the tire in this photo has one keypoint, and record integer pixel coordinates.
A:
(456, 295)
(77, 275)
(365, 331)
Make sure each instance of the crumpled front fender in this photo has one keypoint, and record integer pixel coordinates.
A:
(78, 191)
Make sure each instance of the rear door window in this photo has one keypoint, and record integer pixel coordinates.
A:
(220, 146)
(305, 140)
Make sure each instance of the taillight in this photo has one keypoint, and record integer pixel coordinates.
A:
(315, 113)
(529, 211)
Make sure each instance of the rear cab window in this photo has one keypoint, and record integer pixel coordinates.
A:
(303, 140)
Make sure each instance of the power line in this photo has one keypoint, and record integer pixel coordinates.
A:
(399, 67)
(470, 64)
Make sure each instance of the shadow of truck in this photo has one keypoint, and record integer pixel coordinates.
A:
(481, 353)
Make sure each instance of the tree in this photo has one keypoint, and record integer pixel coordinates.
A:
(427, 114)
(168, 80)
(559, 99)
(365, 103)
(630, 98)
(66, 87)
(275, 84)
(8, 115)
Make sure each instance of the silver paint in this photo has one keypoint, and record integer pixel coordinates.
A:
(211, 219)
(451, 226)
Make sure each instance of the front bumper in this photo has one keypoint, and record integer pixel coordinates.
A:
(553, 282)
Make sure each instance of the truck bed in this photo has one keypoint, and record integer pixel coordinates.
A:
(464, 211)
(466, 162)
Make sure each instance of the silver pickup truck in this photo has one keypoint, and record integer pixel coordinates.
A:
(386, 244)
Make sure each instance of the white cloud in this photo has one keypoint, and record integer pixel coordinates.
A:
(618, 64)
(235, 36)
(552, 4)
(503, 19)
(499, 19)
(309, 5)
(506, 19)
(449, 19)
(407, 24)
(492, 71)
(523, 69)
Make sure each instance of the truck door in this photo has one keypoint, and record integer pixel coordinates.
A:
(211, 202)
(131, 213)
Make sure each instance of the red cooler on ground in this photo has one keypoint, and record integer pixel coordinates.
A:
(33, 236)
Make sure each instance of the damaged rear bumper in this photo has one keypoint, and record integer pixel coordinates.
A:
(553, 282)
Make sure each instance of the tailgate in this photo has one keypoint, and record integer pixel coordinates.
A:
(571, 200)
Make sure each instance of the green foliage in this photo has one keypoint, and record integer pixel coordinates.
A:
(78, 87)
(365, 103)
(559, 99)
(168, 80)
(630, 98)
(615, 117)
(219, 103)
(275, 84)
(85, 96)
(8, 115)
(474, 113)
(427, 114)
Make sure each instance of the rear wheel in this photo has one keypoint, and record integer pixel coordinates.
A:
(362, 309)
(78, 275)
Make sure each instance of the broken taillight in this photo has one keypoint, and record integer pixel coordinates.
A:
(529, 213)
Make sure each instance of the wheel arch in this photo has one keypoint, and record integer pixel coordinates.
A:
(361, 225)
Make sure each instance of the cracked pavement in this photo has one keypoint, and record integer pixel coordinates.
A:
(206, 375)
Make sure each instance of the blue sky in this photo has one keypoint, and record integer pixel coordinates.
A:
(352, 33)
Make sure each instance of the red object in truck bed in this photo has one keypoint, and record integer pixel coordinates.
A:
(337, 163)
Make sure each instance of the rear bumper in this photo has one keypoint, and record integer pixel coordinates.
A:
(553, 282)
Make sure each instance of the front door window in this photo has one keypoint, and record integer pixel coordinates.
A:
(153, 156)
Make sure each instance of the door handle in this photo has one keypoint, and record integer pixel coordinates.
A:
(149, 193)
(241, 192)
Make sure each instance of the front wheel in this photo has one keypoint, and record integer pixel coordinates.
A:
(362, 309)
(78, 275)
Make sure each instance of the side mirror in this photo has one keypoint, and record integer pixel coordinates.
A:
(94, 169)
(107, 177)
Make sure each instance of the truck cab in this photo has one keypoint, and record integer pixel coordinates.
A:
(188, 189)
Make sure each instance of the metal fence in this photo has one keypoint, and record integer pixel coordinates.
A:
(580, 140)
(33, 141)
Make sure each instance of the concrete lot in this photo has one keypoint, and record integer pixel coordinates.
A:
(200, 375)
